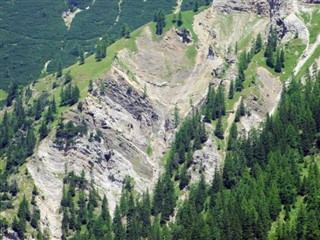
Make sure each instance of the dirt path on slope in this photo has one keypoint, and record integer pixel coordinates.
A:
(118, 17)
(178, 8)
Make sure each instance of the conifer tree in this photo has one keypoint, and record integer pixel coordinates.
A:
(242, 108)
(282, 58)
(258, 44)
(184, 177)
(145, 215)
(231, 90)
(59, 71)
(278, 66)
(219, 129)
(117, 226)
(269, 56)
(196, 6)
(90, 86)
(179, 22)
(232, 136)
(81, 57)
(105, 212)
(125, 31)
(54, 105)
(238, 84)
(200, 196)
(160, 20)
(169, 201)
(43, 130)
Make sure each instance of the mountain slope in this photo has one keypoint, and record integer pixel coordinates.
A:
(129, 114)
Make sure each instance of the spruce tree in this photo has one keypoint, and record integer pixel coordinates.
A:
(219, 129)
(117, 226)
(242, 108)
(278, 66)
(232, 136)
(231, 90)
(145, 215)
(81, 57)
(54, 105)
(258, 44)
(105, 212)
(238, 84)
(160, 20)
(184, 177)
(200, 196)
(269, 56)
(168, 199)
(43, 130)
(196, 6)
(90, 86)
(179, 22)
(125, 31)
(282, 58)
(59, 71)
(176, 116)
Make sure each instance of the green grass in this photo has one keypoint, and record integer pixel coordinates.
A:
(3, 94)
(149, 149)
(191, 53)
(313, 23)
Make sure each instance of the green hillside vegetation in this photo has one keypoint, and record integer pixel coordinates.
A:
(293, 51)
(313, 23)
(43, 36)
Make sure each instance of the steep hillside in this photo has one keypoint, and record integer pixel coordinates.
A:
(129, 120)
(36, 36)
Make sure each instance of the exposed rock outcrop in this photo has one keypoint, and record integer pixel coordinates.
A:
(260, 7)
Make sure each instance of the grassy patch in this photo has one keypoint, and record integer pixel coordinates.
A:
(191, 53)
(149, 149)
(313, 23)
(3, 95)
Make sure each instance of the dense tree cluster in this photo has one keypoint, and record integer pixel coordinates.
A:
(243, 63)
(83, 218)
(272, 60)
(27, 215)
(69, 95)
(66, 134)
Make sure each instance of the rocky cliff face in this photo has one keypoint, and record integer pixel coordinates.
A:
(259, 7)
